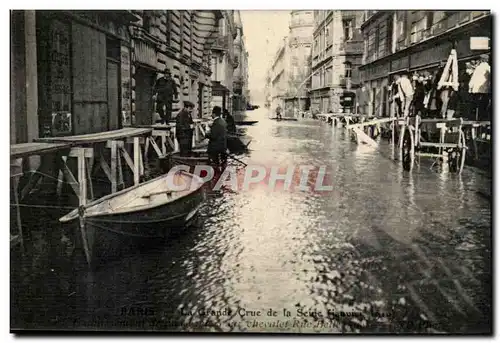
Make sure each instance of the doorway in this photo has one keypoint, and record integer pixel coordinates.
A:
(113, 95)
(144, 104)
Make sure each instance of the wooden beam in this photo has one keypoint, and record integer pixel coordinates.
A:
(137, 148)
(156, 147)
(68, 175)
(127, 158)
(105, 167)
(114, 151)
(15, 185)
(363, 137)
(372, 122)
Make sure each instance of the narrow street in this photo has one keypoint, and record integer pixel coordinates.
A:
(385, 251)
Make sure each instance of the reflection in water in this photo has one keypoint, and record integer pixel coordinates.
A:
(385, 251)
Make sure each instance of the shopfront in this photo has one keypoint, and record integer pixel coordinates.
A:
(80, 71)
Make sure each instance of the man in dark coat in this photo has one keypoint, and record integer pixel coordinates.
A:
(184, 126)
(217, 136)
(165, 91)
(231, 126)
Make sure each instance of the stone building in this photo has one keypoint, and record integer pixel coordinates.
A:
(224, 61)
(68, 72)
(279, 75)
(290, 69)
(337, 52)
(417, 42)
(240, 81)
(299, 48)
(78, 72)
(182, 41)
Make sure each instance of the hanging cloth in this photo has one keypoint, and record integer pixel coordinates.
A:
(480, 80)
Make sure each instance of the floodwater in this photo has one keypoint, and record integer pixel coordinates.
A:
(385, 251)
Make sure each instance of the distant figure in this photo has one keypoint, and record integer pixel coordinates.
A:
(184, 126)
(231, 126)
(165, 91)
(217, 136)
(278, 112)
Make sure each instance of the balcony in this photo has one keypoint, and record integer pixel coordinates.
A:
(221, 43)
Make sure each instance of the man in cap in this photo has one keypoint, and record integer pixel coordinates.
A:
(165, 91)
(184, 126)
(217, 136)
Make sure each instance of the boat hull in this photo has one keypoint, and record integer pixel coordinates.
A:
(246, 122)
(284, 118)
(156, 222)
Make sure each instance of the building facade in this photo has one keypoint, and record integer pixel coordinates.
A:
(290, 70)
(299, 66)
(419, 42)
(224, 61)
(240, 80)
(78, 72)
(279, 75)
(66, 72)
(337, 53)
(182, 42)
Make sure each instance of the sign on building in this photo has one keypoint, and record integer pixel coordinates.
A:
(479, 43)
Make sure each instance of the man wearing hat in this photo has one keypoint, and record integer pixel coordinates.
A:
(165, 91)
(217, 136)
(184, 126)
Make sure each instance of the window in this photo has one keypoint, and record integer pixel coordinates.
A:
(148, 19)
(168, 16)
(347, 69)
(418, 26)
(347, 24)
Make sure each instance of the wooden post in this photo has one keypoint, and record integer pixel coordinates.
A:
(196, 132)
(137, 148)
(401, 138)
(15, 184)
(174, 138)
(114, 152)
(83, 200)
(164, 143)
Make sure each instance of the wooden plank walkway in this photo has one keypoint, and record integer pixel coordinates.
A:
(35, 148)
(98, 137)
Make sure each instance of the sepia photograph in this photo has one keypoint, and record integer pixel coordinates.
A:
(299, 171)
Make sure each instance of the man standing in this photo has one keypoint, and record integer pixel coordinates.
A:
(165, 91)
(405, 93)
(217, 136)
(184, 126)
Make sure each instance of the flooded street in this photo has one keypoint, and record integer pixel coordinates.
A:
(384, 251)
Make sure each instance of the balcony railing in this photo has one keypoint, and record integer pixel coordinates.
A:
(449, 22)
(221, 43)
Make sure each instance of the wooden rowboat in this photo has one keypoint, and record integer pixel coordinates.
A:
(284, 118)
(151, 209)
(197, 157)
(246, 122)
(138, 217)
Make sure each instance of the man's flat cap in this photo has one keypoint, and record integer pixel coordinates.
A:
(188, 104)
